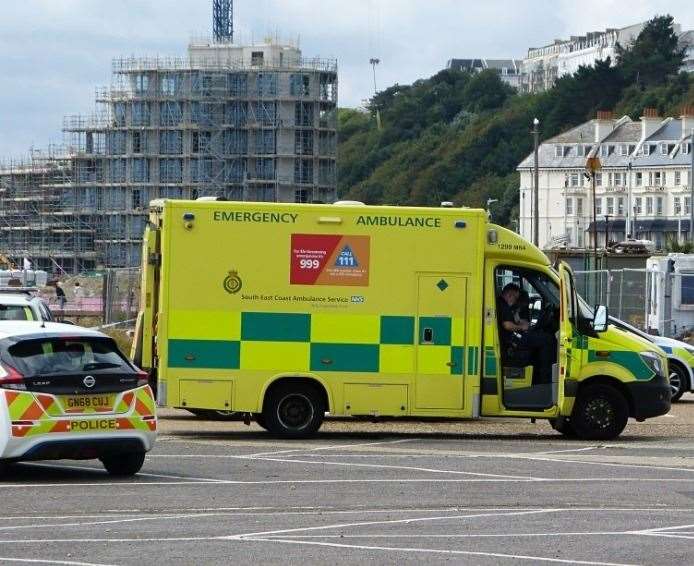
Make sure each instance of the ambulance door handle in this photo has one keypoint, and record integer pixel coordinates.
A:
(428, 335)
(451, 364)
(326, 361)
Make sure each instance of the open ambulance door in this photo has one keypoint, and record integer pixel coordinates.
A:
(567, 319)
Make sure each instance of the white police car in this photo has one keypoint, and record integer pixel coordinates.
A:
(68, 393)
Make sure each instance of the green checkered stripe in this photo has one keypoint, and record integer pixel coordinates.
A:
(258, 327)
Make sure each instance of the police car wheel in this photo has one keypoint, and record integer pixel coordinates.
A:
(600, 413)
(293, 411)
(123, 464)
(679, 381)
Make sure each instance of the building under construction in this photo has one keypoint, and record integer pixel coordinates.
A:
(238, 122)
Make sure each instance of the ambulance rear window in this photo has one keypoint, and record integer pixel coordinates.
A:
(67, 355)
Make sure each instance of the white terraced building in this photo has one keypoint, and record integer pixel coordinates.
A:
(642, 188)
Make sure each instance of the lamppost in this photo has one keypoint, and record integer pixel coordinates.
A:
(592, 166)
(691, 187)
(536, 196)
(373, 62)
(627, 226)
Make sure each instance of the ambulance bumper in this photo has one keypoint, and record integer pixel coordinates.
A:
(650, 398)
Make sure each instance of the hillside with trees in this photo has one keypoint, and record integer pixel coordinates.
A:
(459, 136)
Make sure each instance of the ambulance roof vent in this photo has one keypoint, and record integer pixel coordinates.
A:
(348, 203)
(447, 204)
(211, 199)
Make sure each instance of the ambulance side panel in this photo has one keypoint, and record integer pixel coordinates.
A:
(381, 306)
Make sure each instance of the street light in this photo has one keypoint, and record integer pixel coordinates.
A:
(490, 201)
(536, 196)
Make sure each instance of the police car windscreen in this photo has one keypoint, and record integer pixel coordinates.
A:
(53, 356)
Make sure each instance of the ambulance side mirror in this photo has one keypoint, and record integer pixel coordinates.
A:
(600, 318)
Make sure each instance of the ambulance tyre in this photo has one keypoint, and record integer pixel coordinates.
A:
(123, 465)
(260, 420)
(601, 412)
(563, 426)
(293, 410)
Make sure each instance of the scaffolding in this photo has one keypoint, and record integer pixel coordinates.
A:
(242, 123)
(40, 218)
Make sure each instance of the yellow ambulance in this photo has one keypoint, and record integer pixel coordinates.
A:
(286, 312)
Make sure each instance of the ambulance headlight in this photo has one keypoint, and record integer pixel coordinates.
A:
(654, 362)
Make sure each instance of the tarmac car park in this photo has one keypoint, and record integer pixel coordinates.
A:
(69, 393)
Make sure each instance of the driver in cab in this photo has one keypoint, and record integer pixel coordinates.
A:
(516, 332)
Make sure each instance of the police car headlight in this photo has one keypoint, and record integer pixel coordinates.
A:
(654, 362)
(689, 351)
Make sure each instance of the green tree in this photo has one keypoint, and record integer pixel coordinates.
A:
(654, 56)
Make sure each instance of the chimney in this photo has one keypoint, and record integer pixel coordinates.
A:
(687, 120)
(604, 124)
(650, 121)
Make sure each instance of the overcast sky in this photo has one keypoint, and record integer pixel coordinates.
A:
(56, 52)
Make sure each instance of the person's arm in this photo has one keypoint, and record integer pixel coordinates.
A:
(522, 326)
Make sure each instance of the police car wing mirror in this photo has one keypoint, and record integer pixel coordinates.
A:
(600, 318)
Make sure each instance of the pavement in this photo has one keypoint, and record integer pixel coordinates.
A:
(483, 492)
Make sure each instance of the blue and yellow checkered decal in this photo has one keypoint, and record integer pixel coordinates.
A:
(319, 343)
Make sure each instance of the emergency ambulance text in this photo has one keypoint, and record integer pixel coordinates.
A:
(262, 217)
(400, 221)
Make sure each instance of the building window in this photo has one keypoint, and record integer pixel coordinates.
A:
(598, 179)
(610, 205)
(171, 142)
(598, 206)
(257, 58)
(558, 151)
(619, 179)
(579, 206)
(663, 149)
(569, 206)
(140, 173)
(620, 206)
(138, 145)
(686, 205)
(687, 288)
(639, 179)
(678, 177)
(649, 206)
(659, 206)
(637, 206)
(137, 198)
(574, 179)
(677, 206)
(301, 195)
(624, 150)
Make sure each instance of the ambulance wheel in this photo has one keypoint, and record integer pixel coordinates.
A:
(123, 464)
(563, 426)
(679, 380)
(600, 413)
(293, 410)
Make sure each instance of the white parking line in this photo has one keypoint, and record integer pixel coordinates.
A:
(391, 467)
(335, 446)
(444, 552)
(149, 485)
(394, 522)
(8, 560)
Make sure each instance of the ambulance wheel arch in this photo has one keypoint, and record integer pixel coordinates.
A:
(294, 406)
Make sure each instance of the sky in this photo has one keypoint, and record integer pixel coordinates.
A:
(55, 53)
